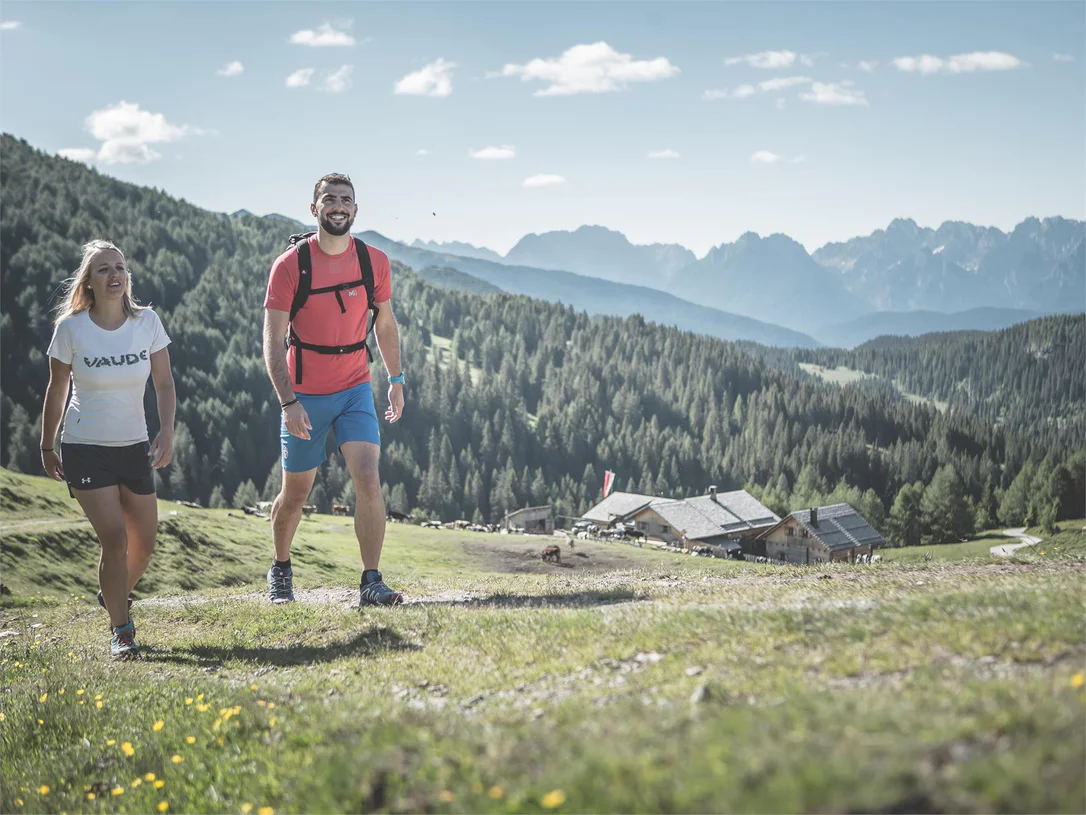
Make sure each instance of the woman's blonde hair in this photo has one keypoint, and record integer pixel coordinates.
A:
(78, 296)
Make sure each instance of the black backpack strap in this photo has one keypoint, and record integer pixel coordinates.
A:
(366, 268)
(301, 293)
(305, 278)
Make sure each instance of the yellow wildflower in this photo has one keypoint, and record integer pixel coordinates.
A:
(202, 708)
(261, 702)
(188, 700)
(446, 796)
(265, 811)
(61, 692)
(98, 705)
(199, 697)
(136, 782)
(271, 705)
(91, 796)
(252, 687)
(159, 784)
(246, 808)
(1078, 680)
(2, 717)
(110, 742)
(496, 792)
(149, 777)
(553, 799)
(190, 739)
(163, 806)
(80, 692)
(43, 697)
(128, 749)
(176, 759)
(158, 725)
(273, 721)
(43, 790)
(117, 791)
(98, 698)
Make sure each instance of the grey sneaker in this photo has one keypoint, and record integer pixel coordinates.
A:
(280, 585)
(131, 597)
(373, 591)
(123, 643)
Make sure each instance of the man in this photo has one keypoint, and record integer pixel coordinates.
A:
(323, 380)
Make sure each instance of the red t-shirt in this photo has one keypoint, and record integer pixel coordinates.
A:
(320, 320)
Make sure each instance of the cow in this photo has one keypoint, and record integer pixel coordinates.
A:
(341, 509)
(309, 509)
(552, 553)
(393, 515)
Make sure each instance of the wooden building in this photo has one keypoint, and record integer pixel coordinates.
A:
(821, 534)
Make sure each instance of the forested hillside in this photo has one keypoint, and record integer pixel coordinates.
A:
(510, 401)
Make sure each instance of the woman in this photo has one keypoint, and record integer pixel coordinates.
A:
(108, 346)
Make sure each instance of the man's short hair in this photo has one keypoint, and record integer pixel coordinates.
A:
(331, 178)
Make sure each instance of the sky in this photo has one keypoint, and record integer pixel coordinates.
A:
(687, 123)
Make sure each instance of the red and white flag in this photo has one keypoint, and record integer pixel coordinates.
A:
(608, 482)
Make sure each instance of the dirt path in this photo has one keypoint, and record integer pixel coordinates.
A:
(18, 525)
(1008, 549)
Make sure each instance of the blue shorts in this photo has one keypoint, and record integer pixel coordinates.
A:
(349, 414)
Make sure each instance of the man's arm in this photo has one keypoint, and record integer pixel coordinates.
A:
(275, 359)
(387, 333)
(275, 352)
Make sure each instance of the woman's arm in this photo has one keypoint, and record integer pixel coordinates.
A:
(166, 396)
(56, 394)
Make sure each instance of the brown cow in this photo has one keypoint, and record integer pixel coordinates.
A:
(340, 509)
(552, 553)
(309, 509)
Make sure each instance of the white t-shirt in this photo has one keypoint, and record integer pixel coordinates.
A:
(109, 372)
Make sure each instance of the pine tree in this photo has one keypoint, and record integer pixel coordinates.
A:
(217, 501)
(946, 514)
(905, 516)
(245, 496)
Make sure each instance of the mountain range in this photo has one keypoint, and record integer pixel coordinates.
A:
(957, 277)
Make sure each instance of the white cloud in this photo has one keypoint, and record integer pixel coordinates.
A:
(809, 59)
(867, 66)
(1063, 58)
(434, 79)
(741, 92)
(765, 59)
(666, 153)
(84, 154)
(127, 133)
(505, 151)
(9, 25)
(422, 151)
(339, 81)
(543, 180)
(231, 69)
(765, 157)
(959, 63)
(784, 82)
(829, 93)
(325, 35)
(595, 68)
(300, 78)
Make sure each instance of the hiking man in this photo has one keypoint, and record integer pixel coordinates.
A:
(322, 291)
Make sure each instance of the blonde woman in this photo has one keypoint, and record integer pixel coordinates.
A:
(107, 346)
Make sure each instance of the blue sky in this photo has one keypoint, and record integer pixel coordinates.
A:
(972, 111)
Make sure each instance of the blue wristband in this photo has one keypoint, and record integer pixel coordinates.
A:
(396, 380)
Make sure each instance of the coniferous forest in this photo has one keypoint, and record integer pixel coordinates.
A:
(512, 401)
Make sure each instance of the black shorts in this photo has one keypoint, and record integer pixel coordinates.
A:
(91, 466)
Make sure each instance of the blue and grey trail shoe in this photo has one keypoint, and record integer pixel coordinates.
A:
(281, 585)
(373, 591)
(123, 643)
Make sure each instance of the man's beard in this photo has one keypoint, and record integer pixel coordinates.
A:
(337, 231)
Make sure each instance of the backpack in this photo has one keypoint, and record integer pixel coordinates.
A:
(305, 290)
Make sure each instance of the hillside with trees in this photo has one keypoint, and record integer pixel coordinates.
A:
(510, 400)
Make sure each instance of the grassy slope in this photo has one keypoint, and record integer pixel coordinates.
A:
(946, 686)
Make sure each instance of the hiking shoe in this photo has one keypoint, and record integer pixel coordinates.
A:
(102, 599)
(373, 591)
(123, 643)
(280, 585)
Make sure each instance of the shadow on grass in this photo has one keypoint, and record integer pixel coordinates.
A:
(374, 641)
(583, 599)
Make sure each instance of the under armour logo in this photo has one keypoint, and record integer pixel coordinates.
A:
(86, 480)
(352, 293)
